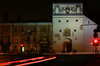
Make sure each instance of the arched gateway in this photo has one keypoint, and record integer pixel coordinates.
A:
(67, 45)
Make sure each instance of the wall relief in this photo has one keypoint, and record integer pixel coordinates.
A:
(67, 8)
(66, 32)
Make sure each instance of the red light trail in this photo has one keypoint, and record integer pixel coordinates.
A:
(7, 63)
(40, 59)
(35, 61)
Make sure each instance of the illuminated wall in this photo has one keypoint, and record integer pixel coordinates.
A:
(19, 32)
(88, 28)
(76, 34)
(70, 16)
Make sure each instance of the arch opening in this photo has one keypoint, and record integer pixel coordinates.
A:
(67, 46)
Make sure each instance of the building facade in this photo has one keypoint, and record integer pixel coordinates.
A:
(25, 37)
(70, 30)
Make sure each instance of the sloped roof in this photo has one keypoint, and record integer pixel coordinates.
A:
(87, 21)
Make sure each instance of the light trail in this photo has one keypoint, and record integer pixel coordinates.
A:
(35, 61)
(7, 63)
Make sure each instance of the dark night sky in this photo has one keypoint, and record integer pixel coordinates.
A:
(36, 9)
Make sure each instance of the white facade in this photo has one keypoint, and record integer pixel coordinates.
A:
(88, 28)
(69, 16)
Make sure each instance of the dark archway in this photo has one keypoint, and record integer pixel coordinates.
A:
(67, 45)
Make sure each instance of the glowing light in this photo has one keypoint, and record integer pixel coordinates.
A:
(22, 45)
(7, 63)
(22, 49)
(95, 41)
(91, 43)
(35, 62)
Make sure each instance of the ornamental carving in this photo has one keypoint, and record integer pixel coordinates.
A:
(66, 32)
(65, 8)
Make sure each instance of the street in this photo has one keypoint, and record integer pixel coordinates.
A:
(72, 60)
(60, 60)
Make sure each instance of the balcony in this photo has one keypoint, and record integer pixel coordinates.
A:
(43, 42)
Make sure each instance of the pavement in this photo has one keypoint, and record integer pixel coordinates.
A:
(56, 53)
(18, 53)
(71, 53)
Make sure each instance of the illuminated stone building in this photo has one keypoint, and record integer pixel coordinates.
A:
(69, 30)
(25, 36)
(72, 30)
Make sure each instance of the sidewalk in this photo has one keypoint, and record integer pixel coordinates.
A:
(56, 53)
(70, 53)
(18, 53)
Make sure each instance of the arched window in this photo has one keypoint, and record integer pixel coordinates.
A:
(88, 21)
(15, 39)
(66, 32)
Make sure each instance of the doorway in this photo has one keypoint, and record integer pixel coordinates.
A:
(67, 46)
(44, 48)
(15, 48)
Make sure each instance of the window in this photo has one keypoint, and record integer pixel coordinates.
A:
(44, 38)
(47, 38)
(15, 48)
(74, 30)
(59, 30)
(22, 39)
(88, 21)
(44, 29)
(76, 20)
(34, 38)
(28, 38)
(67, 21)
(22, 29)
(15, 29)
(59, 21)
(28, 29)
(5, 29)
(15, 39)
(41, 39)
(5, 39)
(34, 29)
